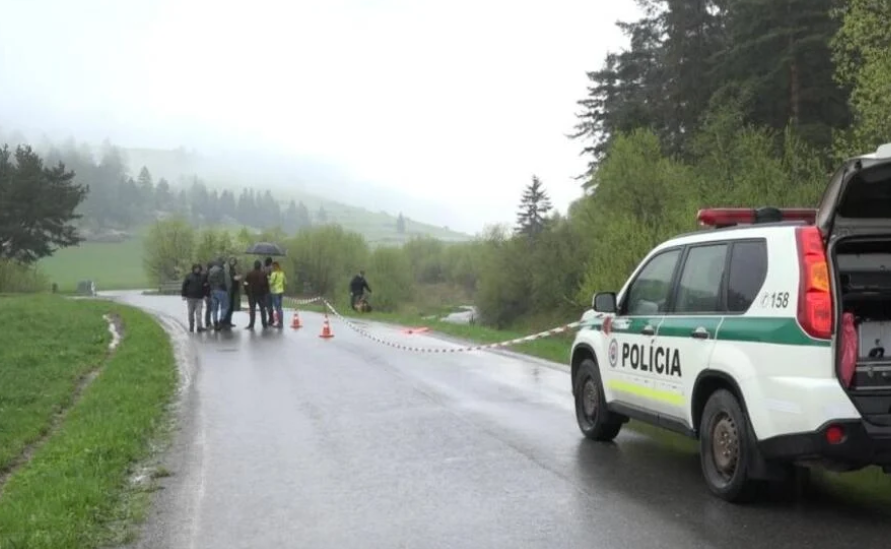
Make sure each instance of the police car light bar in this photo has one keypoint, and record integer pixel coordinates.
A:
(728, 217)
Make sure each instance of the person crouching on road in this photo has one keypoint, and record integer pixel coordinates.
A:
(257, 287)
(219, 293)
(277, 283)
(193, 294)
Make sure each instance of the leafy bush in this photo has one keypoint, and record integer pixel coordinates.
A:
(389, 275)
(18, 278)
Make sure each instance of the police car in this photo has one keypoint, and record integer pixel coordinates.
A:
(764, 336)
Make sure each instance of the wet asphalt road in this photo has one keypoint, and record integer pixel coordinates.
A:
(288, 440)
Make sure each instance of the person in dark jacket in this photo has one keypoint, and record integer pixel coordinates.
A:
(267, 270)
(207, 298)
(358, 285)
(257, 289)
(219, 293)
(233, 287)
(193, 294)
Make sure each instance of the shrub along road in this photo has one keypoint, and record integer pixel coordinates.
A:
(75, 419)
(292, 440)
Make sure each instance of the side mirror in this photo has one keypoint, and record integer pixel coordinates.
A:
(604, 302)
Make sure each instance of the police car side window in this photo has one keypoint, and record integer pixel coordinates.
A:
(650, 290)
(748, 269)
(699, 290)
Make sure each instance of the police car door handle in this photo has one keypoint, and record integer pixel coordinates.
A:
(700, 333)
(648, 330)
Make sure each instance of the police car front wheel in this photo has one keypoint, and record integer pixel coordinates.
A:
(594, 418)
(725, 448)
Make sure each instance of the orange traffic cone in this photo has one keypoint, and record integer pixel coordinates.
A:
(326, 329)
(295, 321)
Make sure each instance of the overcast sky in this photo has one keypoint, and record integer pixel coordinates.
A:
(456, 102)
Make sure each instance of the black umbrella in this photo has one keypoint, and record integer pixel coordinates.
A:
(265, 248)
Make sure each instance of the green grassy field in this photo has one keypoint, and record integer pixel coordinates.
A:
(66, 474)
(111, 265)
(118, 265)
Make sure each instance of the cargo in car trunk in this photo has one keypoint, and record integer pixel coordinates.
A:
(863, 269)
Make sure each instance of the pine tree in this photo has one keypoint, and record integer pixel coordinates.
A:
(146, 188)
(322, 216)
(164, 196)
(45, 201)
(228, 206)
(777, 57)
(304, 221)
(400, 224)
(628, 92)
(534, 208)
(290, 218)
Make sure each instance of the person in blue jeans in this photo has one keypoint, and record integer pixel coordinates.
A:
(219, 293)
(270, 310)
(277, 282)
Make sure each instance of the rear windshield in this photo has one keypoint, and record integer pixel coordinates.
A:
(868, 194)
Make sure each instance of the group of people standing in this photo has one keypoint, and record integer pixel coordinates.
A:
(216, 288)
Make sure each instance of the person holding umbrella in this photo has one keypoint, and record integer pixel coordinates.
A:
(269, 250)
(257, 286)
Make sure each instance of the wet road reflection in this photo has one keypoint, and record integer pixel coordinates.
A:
(289, 440)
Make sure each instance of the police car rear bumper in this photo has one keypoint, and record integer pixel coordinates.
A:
(861, 444)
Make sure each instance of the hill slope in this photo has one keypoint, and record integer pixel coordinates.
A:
(180, 167)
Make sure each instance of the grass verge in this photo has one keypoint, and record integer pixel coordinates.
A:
(870, 484)
(47, 346)
(554, 348)
(75, 491)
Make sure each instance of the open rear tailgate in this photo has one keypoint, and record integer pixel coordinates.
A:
(858, 198)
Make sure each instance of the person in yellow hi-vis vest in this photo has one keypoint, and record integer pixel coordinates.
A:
(277, 281)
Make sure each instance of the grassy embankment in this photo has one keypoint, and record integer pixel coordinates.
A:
(554, 348)
(76, 420)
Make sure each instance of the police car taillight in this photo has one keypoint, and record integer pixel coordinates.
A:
(728, 217)
(815, 311)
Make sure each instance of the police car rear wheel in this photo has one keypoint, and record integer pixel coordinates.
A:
(594, 418)
(724, 448)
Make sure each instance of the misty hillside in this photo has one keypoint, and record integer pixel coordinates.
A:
(181, 166)
(321, 189)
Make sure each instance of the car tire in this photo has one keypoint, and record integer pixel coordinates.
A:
(594, 418)
(725, 449)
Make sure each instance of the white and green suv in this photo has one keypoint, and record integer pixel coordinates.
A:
(764, 337)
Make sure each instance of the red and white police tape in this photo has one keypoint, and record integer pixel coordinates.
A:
(366, 334)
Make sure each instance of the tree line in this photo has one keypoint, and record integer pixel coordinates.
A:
(424, 273)
(117, 200)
